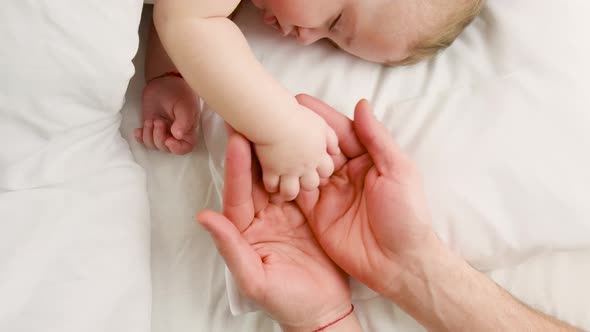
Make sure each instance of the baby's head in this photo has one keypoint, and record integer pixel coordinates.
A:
(384, 31)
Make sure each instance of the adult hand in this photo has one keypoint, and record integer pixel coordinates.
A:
(270, 250)
(371, 216)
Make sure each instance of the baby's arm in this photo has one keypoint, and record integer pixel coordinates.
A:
(170, 108)
(216, 61)
(157, 61)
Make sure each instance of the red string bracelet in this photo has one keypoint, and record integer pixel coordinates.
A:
(166, 74)
(336, 321)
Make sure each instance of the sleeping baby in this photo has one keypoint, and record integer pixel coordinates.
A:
(198, 51)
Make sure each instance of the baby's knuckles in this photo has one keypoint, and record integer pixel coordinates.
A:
(301, 146)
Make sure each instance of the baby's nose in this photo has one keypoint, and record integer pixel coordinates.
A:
(308, 36)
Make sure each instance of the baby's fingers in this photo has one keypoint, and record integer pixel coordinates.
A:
(325, 167)
(138, 133)
(332, 142)
(186, 114)
(310, 181)
(271, 182)
(148, 135)
(178, 147)
(289, 187)
(160, 135)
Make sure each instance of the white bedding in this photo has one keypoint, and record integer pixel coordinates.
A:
(74, 214)
(498, 125)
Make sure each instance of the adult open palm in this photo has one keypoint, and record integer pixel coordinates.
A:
(370, 216)
(269, 248)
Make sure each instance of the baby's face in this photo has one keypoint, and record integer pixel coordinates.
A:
(376, 30)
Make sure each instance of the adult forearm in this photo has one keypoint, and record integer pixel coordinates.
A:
(444, 293)
(216, 61)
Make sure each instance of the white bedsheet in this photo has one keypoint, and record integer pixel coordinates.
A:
(74, 214)
(498, 124)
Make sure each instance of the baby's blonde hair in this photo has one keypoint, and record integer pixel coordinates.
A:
(445, 36)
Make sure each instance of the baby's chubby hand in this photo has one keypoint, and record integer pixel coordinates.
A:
(300, 157)
(170, 111)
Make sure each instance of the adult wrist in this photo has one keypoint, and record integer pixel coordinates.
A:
(438, 282)
(338, 320)
(421, 269)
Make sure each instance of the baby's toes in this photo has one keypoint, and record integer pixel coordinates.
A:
(289, 187)
(310, 181)
(325, 167)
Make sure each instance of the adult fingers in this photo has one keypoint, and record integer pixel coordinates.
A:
(342, 126)
(237, 192)
(239, 256)
(376, 139)
(307, 200)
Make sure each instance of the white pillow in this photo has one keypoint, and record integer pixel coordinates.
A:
(74, 236)
(63, 67)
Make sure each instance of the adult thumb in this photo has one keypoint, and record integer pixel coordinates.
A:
(376, 139)
(240, 258)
